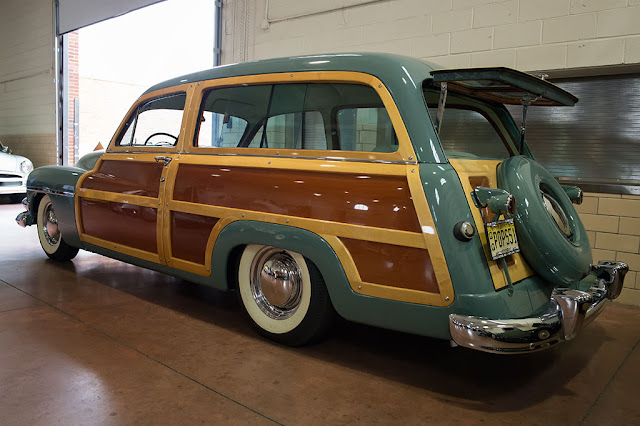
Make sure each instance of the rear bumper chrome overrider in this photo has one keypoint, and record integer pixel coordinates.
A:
(25, 218)
(569, 311)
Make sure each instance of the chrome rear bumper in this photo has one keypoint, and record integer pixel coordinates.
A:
(569, 311)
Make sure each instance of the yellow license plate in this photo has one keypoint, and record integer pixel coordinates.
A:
(502, 239)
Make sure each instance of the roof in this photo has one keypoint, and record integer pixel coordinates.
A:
(386, 67)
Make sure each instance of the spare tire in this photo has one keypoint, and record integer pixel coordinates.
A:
(550, 233)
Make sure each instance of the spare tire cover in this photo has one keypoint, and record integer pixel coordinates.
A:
(550, 233)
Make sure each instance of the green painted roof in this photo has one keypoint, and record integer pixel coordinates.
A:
(387, 67)
(403, 76)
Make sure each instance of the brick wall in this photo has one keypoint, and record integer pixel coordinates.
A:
(73, 91)
(526, 34)
(97, 123)
(612, 222)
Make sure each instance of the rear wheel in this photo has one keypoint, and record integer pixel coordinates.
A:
(284, 295)
(49, 234)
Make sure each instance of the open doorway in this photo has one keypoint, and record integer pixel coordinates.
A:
(118, 59)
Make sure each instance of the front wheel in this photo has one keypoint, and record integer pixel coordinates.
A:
(284, 295)
(49, 234)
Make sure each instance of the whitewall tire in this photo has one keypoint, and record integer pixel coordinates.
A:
(283, 294)
(49, 234)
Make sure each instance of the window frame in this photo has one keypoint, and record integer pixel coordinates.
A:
(133, 112)
(485, 108)
(404, 154)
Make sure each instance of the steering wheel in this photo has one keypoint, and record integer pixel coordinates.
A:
(161, 134)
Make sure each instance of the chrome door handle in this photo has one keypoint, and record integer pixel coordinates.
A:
(165, 160)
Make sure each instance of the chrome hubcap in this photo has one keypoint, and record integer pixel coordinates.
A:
(557, 214)
(50, 228)
(276, 283)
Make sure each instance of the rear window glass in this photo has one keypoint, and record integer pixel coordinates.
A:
(469, 128)
(317, 116)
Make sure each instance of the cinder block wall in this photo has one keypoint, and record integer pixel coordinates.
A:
(529, 35)
(612, 222)
(27, 89)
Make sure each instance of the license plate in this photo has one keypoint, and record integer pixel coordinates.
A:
(502, 239)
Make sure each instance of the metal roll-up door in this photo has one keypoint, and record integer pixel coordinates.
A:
(74, 14)
(595, 144)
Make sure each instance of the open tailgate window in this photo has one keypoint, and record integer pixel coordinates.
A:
(504, 85)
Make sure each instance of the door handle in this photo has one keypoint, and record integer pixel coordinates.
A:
(165, 160)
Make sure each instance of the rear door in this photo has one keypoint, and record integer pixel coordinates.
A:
(119, 203)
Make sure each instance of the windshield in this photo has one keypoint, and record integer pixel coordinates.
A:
(470, 128)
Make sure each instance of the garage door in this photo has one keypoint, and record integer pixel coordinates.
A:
(596, 143)
(74, 14)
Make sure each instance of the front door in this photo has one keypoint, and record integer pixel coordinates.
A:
(120, 203)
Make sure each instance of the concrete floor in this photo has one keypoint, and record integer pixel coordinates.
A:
(96, 341)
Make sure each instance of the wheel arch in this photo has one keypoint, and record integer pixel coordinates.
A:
(236, 235)
(390, 314)
(59, 182)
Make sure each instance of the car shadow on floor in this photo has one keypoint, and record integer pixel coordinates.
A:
(6, 199)
(462, 377)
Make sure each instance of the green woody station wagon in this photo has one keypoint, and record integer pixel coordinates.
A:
(374, 187)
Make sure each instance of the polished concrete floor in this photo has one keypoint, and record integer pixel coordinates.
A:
(96, 341)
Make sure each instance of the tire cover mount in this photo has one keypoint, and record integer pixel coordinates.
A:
(559, 257)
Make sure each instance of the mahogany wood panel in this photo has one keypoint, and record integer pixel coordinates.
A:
(359, 199)
(189, 236)
(125, 224)
(126, 177)
(391, 265)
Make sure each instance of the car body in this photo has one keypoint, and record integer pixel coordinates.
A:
(368, 185)
(14, 170)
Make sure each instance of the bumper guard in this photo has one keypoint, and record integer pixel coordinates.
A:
(569, 311)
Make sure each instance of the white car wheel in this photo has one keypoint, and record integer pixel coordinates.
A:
(49, 233)
(286, 301)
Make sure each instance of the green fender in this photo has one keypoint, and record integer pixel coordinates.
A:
(59, 182)
(88, 161)
(390, 314)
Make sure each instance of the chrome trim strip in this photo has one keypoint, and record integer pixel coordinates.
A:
(304, 157)
(53, 191)
(569, 311)
(301, 157)
(144, 152)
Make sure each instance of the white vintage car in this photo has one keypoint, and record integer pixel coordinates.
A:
(14, 170)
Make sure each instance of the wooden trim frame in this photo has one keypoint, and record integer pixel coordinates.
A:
(405, 149)
(401, 163)
(466, 169)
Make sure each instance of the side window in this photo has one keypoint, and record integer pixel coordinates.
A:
(220, 130)
(226, 115)
(366, 129)
(300, 130)
(318, 116)
(155, 123)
